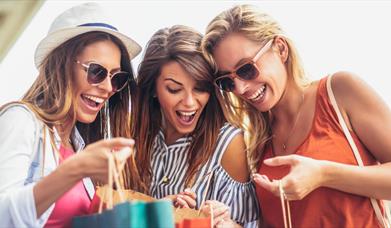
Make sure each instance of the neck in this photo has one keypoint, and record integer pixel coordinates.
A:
(64, 131)
(289, 105)
(171, 135)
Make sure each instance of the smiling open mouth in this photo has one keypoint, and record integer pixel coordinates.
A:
(186, 117)
(92, 101)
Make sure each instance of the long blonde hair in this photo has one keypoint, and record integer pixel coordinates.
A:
(257, 26)
(51, 97)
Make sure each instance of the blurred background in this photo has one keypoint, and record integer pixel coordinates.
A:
(330, 35)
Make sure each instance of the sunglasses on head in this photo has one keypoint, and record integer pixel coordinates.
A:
(246, 71)
(97, 73)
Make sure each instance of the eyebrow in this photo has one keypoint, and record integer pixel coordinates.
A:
(171, 79)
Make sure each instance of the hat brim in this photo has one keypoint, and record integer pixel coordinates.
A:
(52, 41)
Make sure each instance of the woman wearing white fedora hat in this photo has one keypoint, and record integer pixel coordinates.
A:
(45, 168)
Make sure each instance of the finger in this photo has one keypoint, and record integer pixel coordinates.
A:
(220, 219)
(117, 142)
(190, 193)
(189, 201)
(257, 175)
(181, 202)
(280, 160)
(220, 211)
(271, 186)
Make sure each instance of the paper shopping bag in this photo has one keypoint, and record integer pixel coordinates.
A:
(190, 218)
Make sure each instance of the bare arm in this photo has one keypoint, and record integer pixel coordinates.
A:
(370, 118)
(234, 160)
(92, 162)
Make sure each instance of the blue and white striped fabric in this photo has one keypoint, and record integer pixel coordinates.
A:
(170, 161)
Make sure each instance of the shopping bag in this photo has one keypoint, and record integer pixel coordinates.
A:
(191, 218)
(125, 208)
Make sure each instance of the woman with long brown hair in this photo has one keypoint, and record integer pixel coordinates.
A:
(47, 173)
(183, 140)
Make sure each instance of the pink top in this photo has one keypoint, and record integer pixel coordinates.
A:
(73, 203)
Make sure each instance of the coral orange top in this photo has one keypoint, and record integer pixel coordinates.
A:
(323, 207)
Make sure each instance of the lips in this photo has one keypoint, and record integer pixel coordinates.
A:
(186, 117)
(257, 95)
(92, 102)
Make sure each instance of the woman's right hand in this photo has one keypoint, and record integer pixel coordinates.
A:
(185, 199)
(93, 160)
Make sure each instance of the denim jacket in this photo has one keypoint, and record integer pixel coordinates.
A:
(23, 163)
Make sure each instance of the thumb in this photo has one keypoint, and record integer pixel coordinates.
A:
(118, 142)
(280, 160)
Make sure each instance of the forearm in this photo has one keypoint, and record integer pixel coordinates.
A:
(372, 181)
(53, 186)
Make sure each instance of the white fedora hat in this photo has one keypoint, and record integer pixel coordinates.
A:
(80, 19)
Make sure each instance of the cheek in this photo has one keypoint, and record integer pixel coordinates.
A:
(204, 99)
(166, 101)
(79, 82)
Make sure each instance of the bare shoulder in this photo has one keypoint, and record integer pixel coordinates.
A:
(234, 160)
(351, 92)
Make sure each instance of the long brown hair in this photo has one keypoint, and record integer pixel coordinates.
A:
(51, 96)
(182, 45)
(259, 27)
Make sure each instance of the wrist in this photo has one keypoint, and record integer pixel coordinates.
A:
(73, 168)
(327, 173)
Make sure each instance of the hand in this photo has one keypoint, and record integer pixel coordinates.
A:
(94, 158)
(185, 199)
(305, 175)
(221, 213)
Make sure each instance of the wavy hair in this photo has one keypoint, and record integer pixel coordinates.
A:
(259, 27)
(182, 45)
(51, 96)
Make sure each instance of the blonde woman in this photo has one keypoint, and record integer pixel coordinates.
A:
(296, 141)
(47, 173)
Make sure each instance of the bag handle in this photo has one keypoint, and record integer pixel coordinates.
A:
(116, 161)
(384, 220)
(286, 211)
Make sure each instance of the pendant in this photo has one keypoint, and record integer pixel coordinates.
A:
(166, 180)
(284, 146)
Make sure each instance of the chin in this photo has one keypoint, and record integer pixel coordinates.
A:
(186, 130)
(86, 119)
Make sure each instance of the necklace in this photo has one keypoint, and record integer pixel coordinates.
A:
(285, 142)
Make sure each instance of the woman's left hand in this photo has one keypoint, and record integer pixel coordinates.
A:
(221, 213)
(305, 175)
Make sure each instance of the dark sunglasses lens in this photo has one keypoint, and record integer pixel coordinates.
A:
(96, 73)
(226, 84)
(247, 72)
(119, 81)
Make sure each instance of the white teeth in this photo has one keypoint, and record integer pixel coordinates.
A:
(95, 99)
(258, 94)
(187, 113)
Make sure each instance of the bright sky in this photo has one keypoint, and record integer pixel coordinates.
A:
(331, 36)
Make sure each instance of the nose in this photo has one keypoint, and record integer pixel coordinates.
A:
(240, 86)
(189, 100)
(106, 84)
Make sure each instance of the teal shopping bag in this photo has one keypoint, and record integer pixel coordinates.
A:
(106, 219)
(160, 214)
(131, 214)
(86, 221)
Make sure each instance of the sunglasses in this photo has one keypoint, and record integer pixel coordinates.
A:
(246, 71)
(97, 73)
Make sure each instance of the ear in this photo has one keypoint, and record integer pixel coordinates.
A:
(283, 48)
